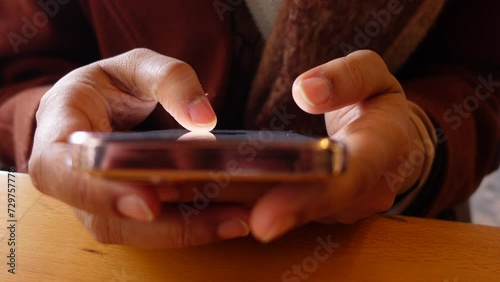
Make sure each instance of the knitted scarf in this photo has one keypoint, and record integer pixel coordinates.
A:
(309, 33)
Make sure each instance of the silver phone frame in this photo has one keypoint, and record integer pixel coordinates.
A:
(286, 156)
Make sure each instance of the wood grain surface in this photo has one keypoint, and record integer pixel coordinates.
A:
(51, 245)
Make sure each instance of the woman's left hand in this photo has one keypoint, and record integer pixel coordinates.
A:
(365, 107)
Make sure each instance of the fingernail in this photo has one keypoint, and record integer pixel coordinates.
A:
(277, 229)
(201, 112)
(233, 228)
(316, 91)
(134, 207)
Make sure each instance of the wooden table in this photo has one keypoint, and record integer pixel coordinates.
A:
(52, 246)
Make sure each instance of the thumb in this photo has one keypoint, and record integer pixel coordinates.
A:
(343, 82)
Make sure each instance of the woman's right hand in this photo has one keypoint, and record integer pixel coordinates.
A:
(120, 93)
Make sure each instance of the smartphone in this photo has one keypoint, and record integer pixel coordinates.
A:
(180, 155)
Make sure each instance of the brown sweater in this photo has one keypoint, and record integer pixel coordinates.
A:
(41, 43)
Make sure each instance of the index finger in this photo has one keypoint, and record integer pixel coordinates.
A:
(173, 83)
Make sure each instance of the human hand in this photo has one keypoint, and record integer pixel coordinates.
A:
(365, 107)
(120, 93)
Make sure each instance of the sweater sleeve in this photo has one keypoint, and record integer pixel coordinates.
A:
(39, 46)
(455, 77)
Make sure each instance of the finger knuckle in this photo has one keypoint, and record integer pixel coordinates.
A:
(123, 69)
(367, 56)
(81, 196)
(105, 231)
(43, 105)
(174, 73)
(34, 172)
(138, 53)
(189, 236)
(40, 175)
(181, 237)
(80, 192)
(197, 239)
(176, 70)
(354, 73)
